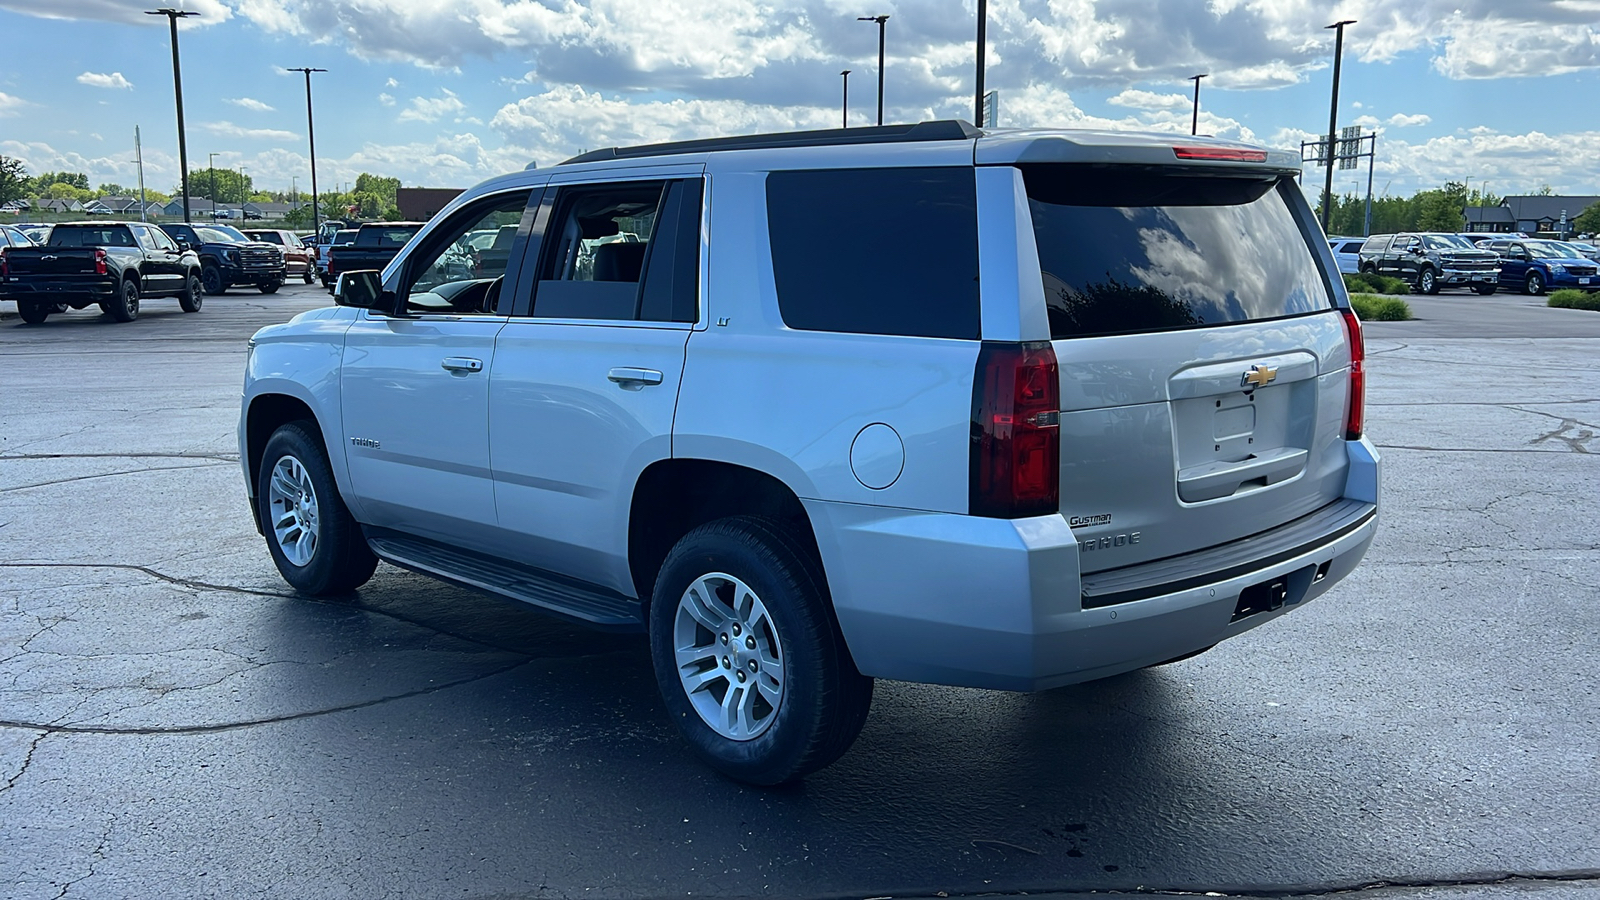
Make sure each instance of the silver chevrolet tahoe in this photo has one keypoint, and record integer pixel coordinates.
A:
(1001, 409)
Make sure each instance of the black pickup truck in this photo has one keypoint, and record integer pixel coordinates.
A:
(228, 258)
(375, 244)
(113, 264)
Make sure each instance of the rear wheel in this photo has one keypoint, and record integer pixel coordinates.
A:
(269, 287)
(33, 312)
(315, 542)
(308, 276)
(211, 280)
(1484, 289)
(1428, 282)
(1369, 270)
(1534, 285)
(193, 295)
(125, 306)
(750, 662)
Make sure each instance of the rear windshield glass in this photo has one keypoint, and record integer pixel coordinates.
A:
(386, 237)
(1144, 251)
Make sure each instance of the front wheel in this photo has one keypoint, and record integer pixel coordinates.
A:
(1534, 285)
(193, 295)
(33, 312)
(1484, 289)
(125, 306)
(315, 542)
(749, 660)
(308, 276)
(1428, 282)
(211, 280)
(269, 287)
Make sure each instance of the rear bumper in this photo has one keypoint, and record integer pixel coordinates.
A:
(993, 603)
(56, 289)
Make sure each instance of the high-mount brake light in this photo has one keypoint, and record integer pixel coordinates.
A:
(100, 261)
(1353, 420)
(1016, 431)
(1221, 154)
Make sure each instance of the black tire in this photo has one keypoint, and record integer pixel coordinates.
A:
(309, 277)
(1534, 284)
(193, 295)
(825, 699)
(1485, 289)
(125, 306)
(60, 307)
(1427, 282)
(340, 560)
(1369, 270)
(33, 312)
(269, 287)
(211, 280)
(326, 282)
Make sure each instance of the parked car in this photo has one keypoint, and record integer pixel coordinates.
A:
(11, 236)
(1585, 249)
(39, 234)
(798, 466)
(228, 258)
(1428, 262)
(375, 244)
(325, 251)
(298, 258)
(1536, 266)
(113, 264)
(1345, 252)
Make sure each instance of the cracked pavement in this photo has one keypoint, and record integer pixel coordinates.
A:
(174, 720)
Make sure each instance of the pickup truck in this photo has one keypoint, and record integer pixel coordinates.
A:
(113, 264)
(228, 258)
(1428, 262)
(375, 244)
(325, 250)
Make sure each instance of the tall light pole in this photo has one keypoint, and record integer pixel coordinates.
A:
(173, 15)
(880, 20)
(311, 135)
(244, 193)
(844, 116)
(1194, 123)
(1333, 119)
(983, 41)
(211, 165)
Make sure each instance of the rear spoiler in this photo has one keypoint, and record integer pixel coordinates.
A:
(1006, 148)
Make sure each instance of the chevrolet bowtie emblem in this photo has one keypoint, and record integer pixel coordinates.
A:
(1259, 376)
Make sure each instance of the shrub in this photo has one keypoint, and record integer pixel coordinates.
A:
(1372, 308)
(1574, 299)
(1375, 284)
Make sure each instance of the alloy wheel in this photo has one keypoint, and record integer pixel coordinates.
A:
(729, 656)
(292, 499)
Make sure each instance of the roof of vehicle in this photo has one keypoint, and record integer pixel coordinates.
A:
(991, 147)
(390, 225)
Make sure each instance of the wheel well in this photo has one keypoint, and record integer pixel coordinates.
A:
(267, 414)
(675, 496)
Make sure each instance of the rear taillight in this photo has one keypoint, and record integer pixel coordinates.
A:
(3, 270)
(99, 261)
(1358, 376)
(1016, 431)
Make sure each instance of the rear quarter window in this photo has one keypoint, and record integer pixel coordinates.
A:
(1375, 244)
(876, 251)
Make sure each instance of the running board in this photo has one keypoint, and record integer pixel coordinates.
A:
(567, 598)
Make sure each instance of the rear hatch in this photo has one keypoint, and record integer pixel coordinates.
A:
(1203, 366)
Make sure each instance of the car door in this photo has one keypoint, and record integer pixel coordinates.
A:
(1514, 263)
(415, 390)
(163, 269)
(585, 383)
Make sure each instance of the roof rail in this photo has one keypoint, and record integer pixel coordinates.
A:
(941, 130)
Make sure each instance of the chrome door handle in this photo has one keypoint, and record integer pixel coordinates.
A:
(462, 364)
(629, 376)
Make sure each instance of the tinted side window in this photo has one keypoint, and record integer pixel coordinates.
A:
(876, 251)
(1375, 244)
(595, 250)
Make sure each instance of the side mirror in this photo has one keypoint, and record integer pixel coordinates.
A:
(363, 289)
(183, 245)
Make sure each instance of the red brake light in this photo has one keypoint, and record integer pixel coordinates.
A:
(3, 271)
(1358, 376)
(1225, 154)
(99, 261)
(1016, 431)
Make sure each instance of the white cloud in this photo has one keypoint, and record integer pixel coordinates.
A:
(1147, 100)
(211, 12)
(432, 109)
(228, 129)
(391, 83)
(1402, 120)
(9, 105)
(1367, 121)
(114, 81)
(252, 104)
(386, 99)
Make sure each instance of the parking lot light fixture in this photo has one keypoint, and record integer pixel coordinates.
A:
(211, 166)
(844, 106)
(1333, 119)
(1194, 123)
(880, 20)
(311, 137)
(173, 15)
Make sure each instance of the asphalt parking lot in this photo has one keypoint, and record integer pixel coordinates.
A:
(174, 721)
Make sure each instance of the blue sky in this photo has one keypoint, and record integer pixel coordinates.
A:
(445, 94)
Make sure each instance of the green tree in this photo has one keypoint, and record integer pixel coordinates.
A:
(386, 189)
(1439, 211)
(229, 186)
(64, 191)
(42, 183)
(14, 180)
(1588, 221)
